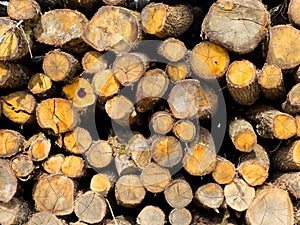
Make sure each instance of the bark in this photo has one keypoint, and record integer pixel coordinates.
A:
(14, 212)
(292, 103)
(13, 75)
(290, 182)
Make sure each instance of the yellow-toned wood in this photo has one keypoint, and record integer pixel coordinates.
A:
(54, 163)
(93, 62)
(39, 84)
(162, 122)
(38, 147)
(241, 72)
(80, 92)
(172, 49)
(101, 183)
(210, 195)
(224, 171)
(11, 142)
(178, 71)
(19, 107)
(72, 166)
(209, 60)
(105, 83)
(284, 126)
(77, 141)
(297, 119)
(293, 12)
(23, 9)
(23, 166)
(185, 130)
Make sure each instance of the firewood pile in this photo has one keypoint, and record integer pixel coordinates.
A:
(144, 112)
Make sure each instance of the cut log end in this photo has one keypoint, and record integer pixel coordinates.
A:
(180, 216)
(172, 49)
(151, 215)
(210, 195)
(185, 130)
(224, 171)
(284, 126)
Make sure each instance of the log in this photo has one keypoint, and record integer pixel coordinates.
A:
(22, 166)
(162, 122)
(166, 151)
(254, 166)
(155, 178)
(102, 183)
(238, 25)
(90, 207)
(271, 123)
(19, 107)
(125, 165)
(12, 75)
(38, 147)
(105, 31)
(178, 193)
(293, 12)
(200, 157)
(151, 88)
(8, 181)
(54, 194)
(151, 215)
(209, 60)
(239, 195)
(56, 115)
(270, 206)
(286, 158)
(60, 66)
(60, 27)
(11, 142)
(290, 182)
(73, 166)
(93, 62)
(41, 86)
(23, 10)
(271, 83)
(171, 21)
(242, 135)
(224, 171)
(292, 103)
(118, 219)
(210, 195)
(129, 191)
(54, 163)
(187, 99)
(297, 119)
(44, 218)
(80, 92)
(180, 216)
(284, 52)
(178, 71)
(185, 130)
(242, 82)
(16, 211)
(115, 2)
(172, 49)
(14, 43)
(129, 67)
(77, 141)
(99, 155)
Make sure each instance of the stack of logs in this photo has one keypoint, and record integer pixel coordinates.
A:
(72, 68)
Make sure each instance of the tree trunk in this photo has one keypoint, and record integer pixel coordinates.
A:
(290, 182)
(12, 75)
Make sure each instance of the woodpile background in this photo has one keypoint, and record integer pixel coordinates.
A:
(95, 131)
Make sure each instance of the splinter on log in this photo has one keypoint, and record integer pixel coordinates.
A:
(106, 31)
(73, 166)
(287, 157)
(242, 82)
(151, 87)
(59, 27)
(129, 191)
(164, 21)
(23, 166)
(129, 67)
(210, 195)
(8, 181)
(292, 103)
(239, 195)
(155, 178)
(44, 218)
(179, 193)
(238, 25)
(172, 49)
(185, 130)
(16, 211)
(93, 62)
(23, 9)
(99, 154)
(19, 107)
(60, 66)
(56, 115)
(80, 92)
(38, 147)
(90, 207)
(162, 122)
(293, 12)
(254, 166)
(209, 60)
(224, 171)
(54, 163)
(270, 206)
(14, 42)
(178, 71)
(180, 216)
(290, 182)
(12, 75)
(200, 158)
(271, 83)
(41, 85)
(77, 141)
(151, 215)
(242, 135)
(166, 151)
(54, 194)
(284, 52)
(102, 183)
(272, 123)
(11, 142)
